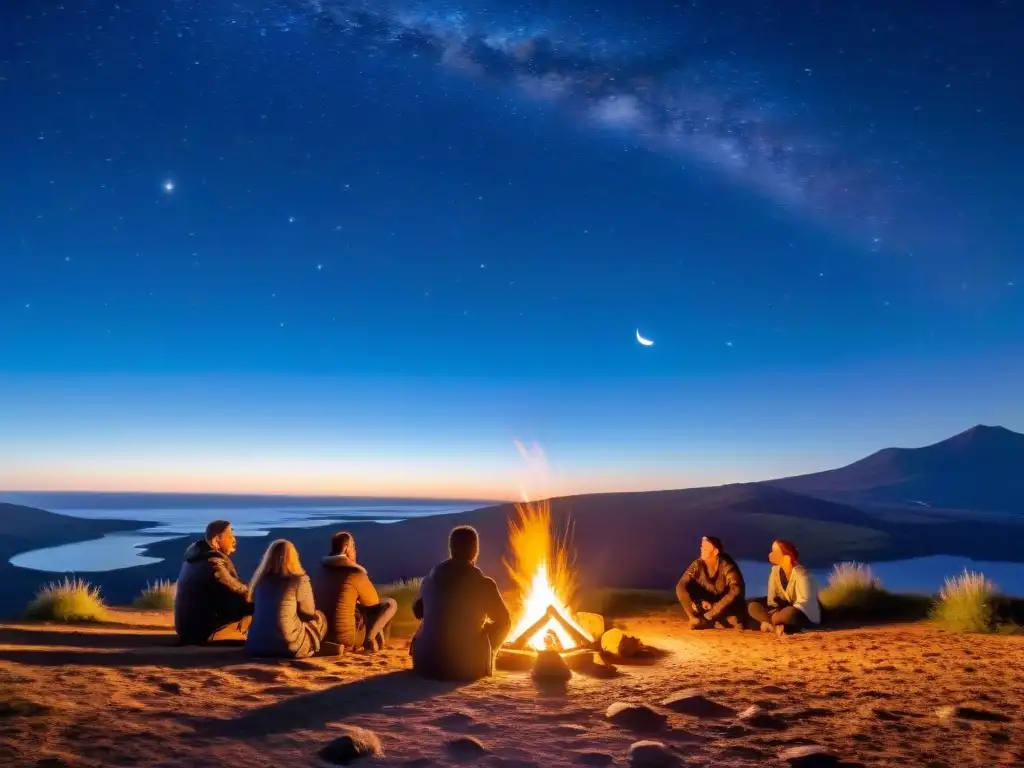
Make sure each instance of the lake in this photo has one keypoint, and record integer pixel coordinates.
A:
(174, 516)
(924, 575)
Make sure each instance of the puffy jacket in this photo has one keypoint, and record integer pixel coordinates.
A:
(452, 642)
(209, 594)
(282, 608)
(339, 585)
(726, 588)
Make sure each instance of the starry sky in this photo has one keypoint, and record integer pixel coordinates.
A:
(362, 247)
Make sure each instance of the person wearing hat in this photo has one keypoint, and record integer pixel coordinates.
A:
(712, 589)
(792, 602)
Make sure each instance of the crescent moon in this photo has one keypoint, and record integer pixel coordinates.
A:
(642, 340)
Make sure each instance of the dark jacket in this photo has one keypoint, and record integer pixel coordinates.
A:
(209, 594)
(339, 585)
(464, 620)
(725, 590)
(284, 620)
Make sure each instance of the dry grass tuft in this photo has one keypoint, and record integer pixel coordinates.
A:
(68, 600)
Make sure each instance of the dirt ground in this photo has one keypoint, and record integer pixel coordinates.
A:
(122, 696)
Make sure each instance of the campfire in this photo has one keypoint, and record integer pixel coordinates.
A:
(542, 570)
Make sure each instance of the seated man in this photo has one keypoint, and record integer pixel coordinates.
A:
(712, 589)
(356, 616)
(792, 602)
(211, 604)
(464, 619)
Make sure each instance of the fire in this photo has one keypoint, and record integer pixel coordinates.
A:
(542, 570)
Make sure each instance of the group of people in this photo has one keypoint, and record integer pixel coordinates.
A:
(282, 611)
(286, 612)
(712, 592)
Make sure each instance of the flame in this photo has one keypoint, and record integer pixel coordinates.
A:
(542, 570)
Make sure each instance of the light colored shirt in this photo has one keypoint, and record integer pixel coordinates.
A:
(801, 592)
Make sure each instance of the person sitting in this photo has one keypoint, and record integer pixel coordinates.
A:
(285, 620)
(464, 618)
(792, 602)
(212, 603)
(356, 616)
(712, 589)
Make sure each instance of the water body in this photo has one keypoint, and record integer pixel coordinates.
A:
(921, 575)
(178, 516)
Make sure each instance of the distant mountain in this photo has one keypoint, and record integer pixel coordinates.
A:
(980, 469)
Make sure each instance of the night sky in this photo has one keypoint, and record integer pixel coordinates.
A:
(355, 246)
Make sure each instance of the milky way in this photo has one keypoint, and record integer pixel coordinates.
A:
(702, 112)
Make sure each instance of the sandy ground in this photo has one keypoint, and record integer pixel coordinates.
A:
(118, 695)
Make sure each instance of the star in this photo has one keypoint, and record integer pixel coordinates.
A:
(728, 343)
(168, 186)
(319, 267)
(291, 219)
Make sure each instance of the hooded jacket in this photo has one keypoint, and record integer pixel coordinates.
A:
(725, 589)
(453, 642)
(339, 585)
(209, 594)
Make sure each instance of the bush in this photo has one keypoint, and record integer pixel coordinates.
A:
(625, 603)
(851, 585)
(68, 600)
(855, 594)
(158, 596)
(967, 603)
(404, 593)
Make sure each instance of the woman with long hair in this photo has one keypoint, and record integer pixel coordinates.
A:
(792, 602)
(285, 620)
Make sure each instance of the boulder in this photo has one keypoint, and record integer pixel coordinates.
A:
(592, 623)
(652, 754)
(635, 717)
(695, 704)
(618, 643)
(465, 748)
(354, 744)
(810, 756)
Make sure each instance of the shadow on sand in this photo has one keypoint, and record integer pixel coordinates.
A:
(316, 709)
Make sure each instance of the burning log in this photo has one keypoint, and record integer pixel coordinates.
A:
(551, 614)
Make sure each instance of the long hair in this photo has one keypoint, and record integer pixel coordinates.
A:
(789, 548)
(280, 559)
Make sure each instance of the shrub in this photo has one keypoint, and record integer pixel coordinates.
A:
(68, 600)
(967, 603)
(404, 593)
(158, 596)
(851, 585)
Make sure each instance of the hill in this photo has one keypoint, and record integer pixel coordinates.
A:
(979, 469)
(26, 528)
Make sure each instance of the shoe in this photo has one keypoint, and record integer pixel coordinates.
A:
(766, 627)
(780, 630)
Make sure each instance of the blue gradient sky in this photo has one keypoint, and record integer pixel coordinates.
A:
(398, 239)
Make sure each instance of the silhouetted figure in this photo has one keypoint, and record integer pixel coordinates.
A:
(356, 616)
(285, 620)
(464, 619)
(212, 603)
(792, 602)
(712, 588)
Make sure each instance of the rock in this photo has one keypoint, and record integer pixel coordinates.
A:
(810, 756)
(594, 759)
(652, 754)
(354, 744)
(618, 643)
(550, 667)
(755, 717)
(592, 623)
(696, 704)
(886, 715)
(635, 717)
(965, 712)
(569, 729)
(170, 687)
(465, 748)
